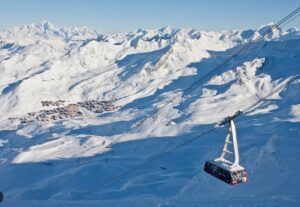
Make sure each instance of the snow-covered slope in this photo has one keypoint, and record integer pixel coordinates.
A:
(79, 107)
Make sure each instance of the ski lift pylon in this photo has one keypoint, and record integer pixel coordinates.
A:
(222, 168)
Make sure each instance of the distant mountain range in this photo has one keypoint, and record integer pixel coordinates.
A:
(78, 107)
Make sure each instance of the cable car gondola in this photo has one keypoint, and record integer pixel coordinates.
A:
(223, 169)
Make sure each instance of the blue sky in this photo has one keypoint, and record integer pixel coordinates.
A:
(110, 16)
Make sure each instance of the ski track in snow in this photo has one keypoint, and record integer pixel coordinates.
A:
(68, 162)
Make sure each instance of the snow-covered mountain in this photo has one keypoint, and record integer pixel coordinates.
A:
(79, 107)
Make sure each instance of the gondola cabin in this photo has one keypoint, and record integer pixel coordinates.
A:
(224, 173)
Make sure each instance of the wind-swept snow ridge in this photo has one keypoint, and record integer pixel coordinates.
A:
(63, 148)
(79, 107)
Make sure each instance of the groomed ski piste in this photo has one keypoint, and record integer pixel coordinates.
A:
(79, 108)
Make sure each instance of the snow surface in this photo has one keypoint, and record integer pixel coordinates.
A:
(73, 162)
(295, 113)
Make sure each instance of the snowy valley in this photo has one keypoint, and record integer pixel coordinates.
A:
(79, 108)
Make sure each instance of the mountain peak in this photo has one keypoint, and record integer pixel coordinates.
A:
(271, 28)
(167, 30)
(47, 25)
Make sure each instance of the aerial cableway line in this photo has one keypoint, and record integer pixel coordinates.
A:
(191, 88)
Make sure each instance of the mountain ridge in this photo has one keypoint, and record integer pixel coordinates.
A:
(166, 48)
(79, 107)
